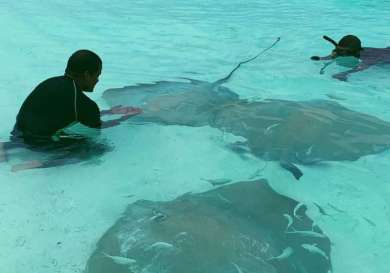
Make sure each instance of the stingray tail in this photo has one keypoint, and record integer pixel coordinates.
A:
(225, 79)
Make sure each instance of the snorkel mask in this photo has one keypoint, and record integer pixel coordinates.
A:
(345, 51)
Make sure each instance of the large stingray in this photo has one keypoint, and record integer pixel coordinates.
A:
(290, 132)
(241, 228)
(166, 101)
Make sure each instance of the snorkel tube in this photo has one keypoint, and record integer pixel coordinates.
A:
(318, 58)
(330, 40)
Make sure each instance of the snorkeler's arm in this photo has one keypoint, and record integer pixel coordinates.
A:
(132, 111)
(318, 58)
(115, 122)
(90, 115)
(344, 75)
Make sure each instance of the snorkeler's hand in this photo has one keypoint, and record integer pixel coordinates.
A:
(131, 111)
(340, 76)
(315, 58)
(135, 111)
(123, 110)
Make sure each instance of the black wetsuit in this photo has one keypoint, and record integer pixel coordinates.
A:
(52, 106)
(49, 108)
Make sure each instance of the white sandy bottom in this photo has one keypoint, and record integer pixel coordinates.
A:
(49, 224)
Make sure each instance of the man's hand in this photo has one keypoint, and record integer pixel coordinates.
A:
(340, 77)
(125, 110)
(122, 110)
(127, 116)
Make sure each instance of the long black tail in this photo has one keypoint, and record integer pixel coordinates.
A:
(330, 40)
(223, 80)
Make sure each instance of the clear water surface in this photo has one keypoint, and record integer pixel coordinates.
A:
(50, 219)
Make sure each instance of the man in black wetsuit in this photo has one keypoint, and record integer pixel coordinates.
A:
(350, 46)
(59, 102)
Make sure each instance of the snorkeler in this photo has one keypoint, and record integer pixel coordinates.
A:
(350, 46)
(59, 102)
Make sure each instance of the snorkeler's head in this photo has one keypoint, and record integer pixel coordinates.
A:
(84, 66)
(349, 45)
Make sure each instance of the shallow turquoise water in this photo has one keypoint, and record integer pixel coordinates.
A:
(145, 41)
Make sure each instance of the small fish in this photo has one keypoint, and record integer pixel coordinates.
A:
(240, 149)
(160, 246)
(309, 150)
(314, 249)
(370, 222)
(219, 181)
(336, 209)
(296, 172)
(158, 216)
(128, 196)
(181, 236)
(237, 267)
(268, 131)
(244, 125)
(297, 207)
(120, 260)
(258, 172)
(224, 199)
(289, 219)
(306, 159)
(333, 97)
(322, 211)
(307, 233)
(285, 254)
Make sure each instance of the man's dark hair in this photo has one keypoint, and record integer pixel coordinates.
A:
(81, 61)
(352, 42)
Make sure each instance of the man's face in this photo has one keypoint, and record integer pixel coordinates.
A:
(90, 80)
(340, 51)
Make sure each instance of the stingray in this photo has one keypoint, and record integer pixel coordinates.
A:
(290, 132)
(244, 227)
(160, 99)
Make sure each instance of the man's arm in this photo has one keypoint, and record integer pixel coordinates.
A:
(343, 76)
(126, 113)
(121, 110)
(90, 115)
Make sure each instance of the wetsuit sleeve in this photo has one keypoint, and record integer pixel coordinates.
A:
(89, 113)
(318, 58)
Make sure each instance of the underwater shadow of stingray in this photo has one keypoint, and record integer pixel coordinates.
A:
(304, 132)
(243, 227)
(72, 149)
